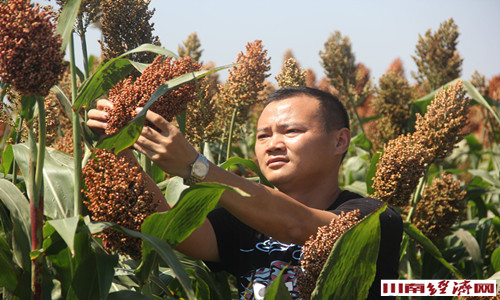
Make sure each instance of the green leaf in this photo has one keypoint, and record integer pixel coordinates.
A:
(181, 121)
(28, 104)
(127, 136)
(85, 284)
(109, 73)
(473, 143)
(471, 245)
(174, 189)
(178, 223)
(486, 176)
(370, 174)
(8, 277)
(64, 101)
(350, 269)
(474, 94)
(127, 295)
(66, 229)
(19, 209)
(139, 66)
(249, 164)
(7, 158)
(105, 272)
(57, 180)
(66, 21)
(166, 253)
(429, 247)
(278, 290)
(362, 141)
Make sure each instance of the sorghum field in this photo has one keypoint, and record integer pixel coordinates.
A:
(78, 222)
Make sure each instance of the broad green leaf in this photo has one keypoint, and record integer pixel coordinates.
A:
(109, 73)
(350, 269)
(57, 180)
(66, 229)
(105, 272)
(486, 176)
(278, 290)
(474, 94)
(8, 277)
(429, 247)
(127, 295)
(181, 121)
(370, 174)
(139, 66)
(246, 163)
(471, 245)
(473, 143)
(178, 223)
(85, 284)
(64, 101)
(66, 21)
(174, 189)
(19, 209)
(7, 158)
(127, 136)
(166, 253)
(495, 259)
(17, 205)
(362, 141)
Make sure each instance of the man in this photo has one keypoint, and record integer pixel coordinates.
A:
(302, 136)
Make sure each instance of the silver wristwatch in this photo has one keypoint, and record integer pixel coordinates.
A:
(199, 170)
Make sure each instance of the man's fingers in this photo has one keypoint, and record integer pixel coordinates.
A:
(157, 120)
(98, 115)
(101, 104)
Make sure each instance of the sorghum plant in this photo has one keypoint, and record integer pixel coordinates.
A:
(191, 47)
(31, 60)
(406, 158)
(439, 207)
(392, 102)
(115, 192)
(316, 250)
(127, 95)
(125, 26)
(291, 74)
(437, 57)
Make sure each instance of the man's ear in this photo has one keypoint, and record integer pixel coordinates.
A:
(342, 140)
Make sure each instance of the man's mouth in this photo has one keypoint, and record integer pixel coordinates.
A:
(276, 162)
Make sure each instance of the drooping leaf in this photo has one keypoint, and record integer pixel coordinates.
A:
(246, 163)
(278, 290)
(63, 100)
(429, 247)
(57, 179)
(66, 21)
(474, 94)
(127, 136)
(109, 73)
(178, 223)
(7, 158)
(370, 174)
(66, 229)
(105, 272)
(8, 277)
(471, 245)
(350, 269)
(18, 207)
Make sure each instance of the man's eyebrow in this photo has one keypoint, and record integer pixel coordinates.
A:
(281, 126)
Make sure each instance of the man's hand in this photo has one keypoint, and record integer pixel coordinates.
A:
(167, 147)
(98, 117)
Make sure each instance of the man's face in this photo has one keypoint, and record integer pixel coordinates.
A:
(293, 148)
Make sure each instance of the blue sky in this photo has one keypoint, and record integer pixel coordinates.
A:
(380, 31)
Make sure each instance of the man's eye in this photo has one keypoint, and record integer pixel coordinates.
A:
(262, 136)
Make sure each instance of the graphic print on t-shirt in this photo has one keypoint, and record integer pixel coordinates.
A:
(280, 256)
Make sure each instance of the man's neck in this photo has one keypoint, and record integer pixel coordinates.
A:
(319, 196)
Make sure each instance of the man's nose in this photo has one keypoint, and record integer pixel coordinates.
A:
(276, 142)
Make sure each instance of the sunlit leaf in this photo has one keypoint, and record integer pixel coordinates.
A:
(66, 21)
(63, 100)
(350, 269)
(278, 290)
(7, 158)
(471, 245)
(370, 174)
(246, 163)
(66, 229)
(429, 247)
(127, 136)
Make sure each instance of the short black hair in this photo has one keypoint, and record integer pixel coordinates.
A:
(332, 110)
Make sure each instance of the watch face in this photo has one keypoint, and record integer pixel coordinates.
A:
(200, 169)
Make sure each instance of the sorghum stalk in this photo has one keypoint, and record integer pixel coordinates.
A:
(77, 150)
(35, 193)
(231, 130)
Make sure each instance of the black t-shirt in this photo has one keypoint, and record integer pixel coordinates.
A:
(256, 259)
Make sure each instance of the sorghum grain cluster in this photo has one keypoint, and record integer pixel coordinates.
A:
(31, 60)
(127, 95)
(406, 158)
(440, 206)
(291, 74)
(316, 251)
(115, 192)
